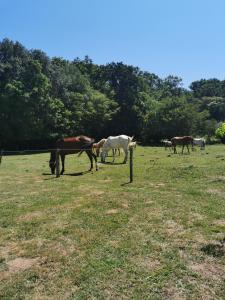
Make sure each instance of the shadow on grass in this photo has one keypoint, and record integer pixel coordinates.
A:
(77, 173)
(53, 176)
(112, 163)
(126, 183)
(215, 250)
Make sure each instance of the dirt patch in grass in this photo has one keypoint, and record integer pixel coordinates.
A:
(30, 216)
(209, 270)
(215, 192)
(160, 184)
(173, 227)
(114, 243)
(197, 217)
(91, 191)
(219, 222)
(146, 263)
(20, 264)
(149, 202)
(17, 265)
(217, 178)
(112, 211)
(173, 293)
(105, 180)
(97, 193)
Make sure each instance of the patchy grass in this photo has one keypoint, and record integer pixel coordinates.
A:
(94, 236)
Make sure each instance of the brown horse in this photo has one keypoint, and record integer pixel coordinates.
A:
(183, 141)
(72, 145)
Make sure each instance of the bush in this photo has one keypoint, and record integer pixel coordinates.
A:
(220, 132)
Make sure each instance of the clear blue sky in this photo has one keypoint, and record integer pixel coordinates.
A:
(179, 37)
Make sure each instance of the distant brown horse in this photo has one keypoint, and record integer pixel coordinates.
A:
(97, 146)
(72, 145)
(183, 141)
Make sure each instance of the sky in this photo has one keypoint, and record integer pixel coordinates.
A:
(184, 38)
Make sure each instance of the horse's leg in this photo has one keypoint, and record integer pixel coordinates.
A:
(188, 148)
(174, 149)
(182, 149)
(90, 157)
(113, 153)
(126, 155)
(63, 163)
(96, 162)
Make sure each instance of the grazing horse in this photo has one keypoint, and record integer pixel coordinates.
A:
(183, 141)
(167, 144)
(72, 145)
(98, 146)
(116, 142)
(200, 142)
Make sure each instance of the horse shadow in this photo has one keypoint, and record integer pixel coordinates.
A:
(215, 250)
(66, 174)
(111, 163)
(77, 173)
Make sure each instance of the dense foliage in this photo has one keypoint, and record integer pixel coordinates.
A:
(220, 132)
(43, 98)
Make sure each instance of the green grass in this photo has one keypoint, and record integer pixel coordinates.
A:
(96, 237)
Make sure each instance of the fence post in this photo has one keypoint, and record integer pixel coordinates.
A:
(1, 156)
(57, 163)
(131, 164)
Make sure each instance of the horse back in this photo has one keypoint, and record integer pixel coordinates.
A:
(75, 144)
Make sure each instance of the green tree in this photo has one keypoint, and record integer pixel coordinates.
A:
(220, 132)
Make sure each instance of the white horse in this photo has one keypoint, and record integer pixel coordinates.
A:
(200, 142)
(167, 144)
(116, 142)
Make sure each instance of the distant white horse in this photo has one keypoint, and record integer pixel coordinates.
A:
(116, 142)
(200, 142)
(167, 144)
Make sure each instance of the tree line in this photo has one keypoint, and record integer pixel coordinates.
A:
(43, 98)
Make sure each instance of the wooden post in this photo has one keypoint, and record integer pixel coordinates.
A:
(131, 164)
(1, 156)
(57, 164)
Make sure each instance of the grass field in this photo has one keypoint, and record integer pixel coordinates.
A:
(96, 237)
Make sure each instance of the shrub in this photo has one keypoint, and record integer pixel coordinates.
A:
(220, 132)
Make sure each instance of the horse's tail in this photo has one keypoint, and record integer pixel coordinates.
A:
(86, 146)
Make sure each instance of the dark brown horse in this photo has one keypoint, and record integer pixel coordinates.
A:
(72, 145)
(183, 141)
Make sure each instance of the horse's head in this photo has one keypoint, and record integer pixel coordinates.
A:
(52, 162)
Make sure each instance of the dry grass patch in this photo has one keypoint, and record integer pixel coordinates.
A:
(147, 263)
(209, 270)
(20, 264)
(17, 265)
(215, 192)
(196, 217)
(31, 216)
(219, 222)
(114, 243)
(112, 211)
(173, 227)
(173, 293)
